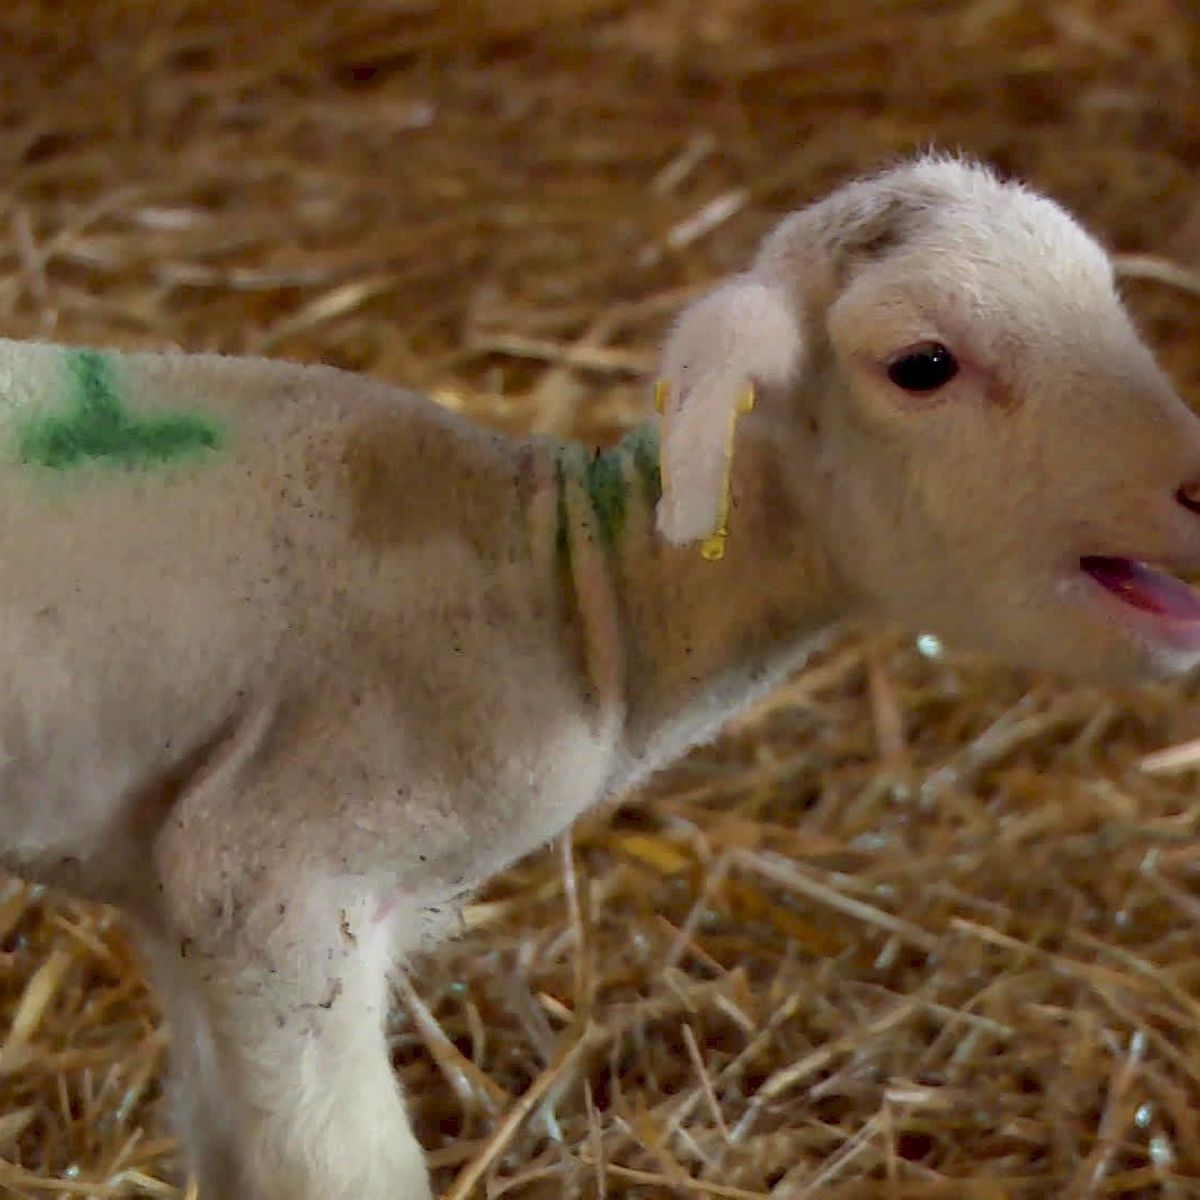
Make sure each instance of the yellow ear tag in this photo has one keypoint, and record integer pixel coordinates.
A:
(713, 547)
(662, 389)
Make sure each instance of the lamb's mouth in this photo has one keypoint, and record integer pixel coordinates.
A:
(1151, 591)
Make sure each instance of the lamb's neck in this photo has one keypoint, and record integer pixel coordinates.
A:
(699, 639)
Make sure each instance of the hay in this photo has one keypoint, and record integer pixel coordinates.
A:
(917, 928)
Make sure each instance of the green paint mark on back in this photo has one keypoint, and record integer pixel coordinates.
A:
(98, 427)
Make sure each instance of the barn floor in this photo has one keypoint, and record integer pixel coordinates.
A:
(918, 927)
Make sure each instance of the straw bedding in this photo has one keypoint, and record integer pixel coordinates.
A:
(917, 927)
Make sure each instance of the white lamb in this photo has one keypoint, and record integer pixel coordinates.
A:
(294, 656)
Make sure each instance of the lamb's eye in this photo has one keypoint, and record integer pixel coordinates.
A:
(924, 368)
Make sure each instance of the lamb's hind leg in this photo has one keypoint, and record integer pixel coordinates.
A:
(287, 1089)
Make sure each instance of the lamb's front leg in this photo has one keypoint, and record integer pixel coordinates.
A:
(283, 1082)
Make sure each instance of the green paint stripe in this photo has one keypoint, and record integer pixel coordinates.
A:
(606, 489)
(96, 426)
(644, 444)
(605, 477)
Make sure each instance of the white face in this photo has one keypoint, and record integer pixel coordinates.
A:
(1025, 479)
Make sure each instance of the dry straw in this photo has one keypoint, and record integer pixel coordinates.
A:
(916, 928)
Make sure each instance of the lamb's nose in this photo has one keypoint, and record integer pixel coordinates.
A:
(1188, 495)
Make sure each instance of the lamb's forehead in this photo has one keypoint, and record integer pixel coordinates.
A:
(969, 205)
(948, 227)
(947, 248)
(962, 208)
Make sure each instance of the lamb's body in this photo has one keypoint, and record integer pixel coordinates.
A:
(229, 671)
(293, 659)
(309, 537)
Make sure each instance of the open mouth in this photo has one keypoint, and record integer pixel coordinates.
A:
(1141, 586)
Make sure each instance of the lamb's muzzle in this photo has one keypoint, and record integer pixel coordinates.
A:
(294, 660)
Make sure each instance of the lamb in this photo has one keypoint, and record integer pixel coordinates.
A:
(296, 658)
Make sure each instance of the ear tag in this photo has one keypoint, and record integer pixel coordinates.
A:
(713, 546)
(662, 389)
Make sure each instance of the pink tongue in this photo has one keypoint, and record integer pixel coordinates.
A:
(1143, 588)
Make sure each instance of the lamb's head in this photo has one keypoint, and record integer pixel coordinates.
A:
(980, 441)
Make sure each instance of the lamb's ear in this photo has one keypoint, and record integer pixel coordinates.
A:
(744, 332)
